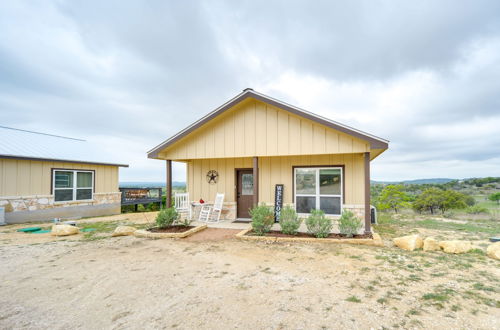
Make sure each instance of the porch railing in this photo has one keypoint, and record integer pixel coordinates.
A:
(135, 196)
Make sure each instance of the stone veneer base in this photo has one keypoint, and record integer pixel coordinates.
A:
(375, 241)
(69, 212)
(147, 234)
(19, 209)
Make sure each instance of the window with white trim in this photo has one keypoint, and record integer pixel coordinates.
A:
(73, 185)
(318, 188)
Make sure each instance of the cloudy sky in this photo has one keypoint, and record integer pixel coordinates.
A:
(129, 74)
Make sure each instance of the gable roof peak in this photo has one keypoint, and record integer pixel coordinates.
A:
(375, 142)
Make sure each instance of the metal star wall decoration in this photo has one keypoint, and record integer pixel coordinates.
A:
(212, 176)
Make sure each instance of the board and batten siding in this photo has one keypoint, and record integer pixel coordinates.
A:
(31, 177)
(254, 128)
(272, 171)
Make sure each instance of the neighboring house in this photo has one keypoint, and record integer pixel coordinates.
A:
(253, 142)
(45, 176)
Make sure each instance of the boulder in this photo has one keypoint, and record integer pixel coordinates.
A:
(410, 242)
(455, 246)
(493, 251)
(64, 230)
(123, 231)
(430, 244)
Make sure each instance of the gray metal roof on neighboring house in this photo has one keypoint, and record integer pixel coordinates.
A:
(21, 144)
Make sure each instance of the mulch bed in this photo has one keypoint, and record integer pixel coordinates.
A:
(275, 233)
(172, 229)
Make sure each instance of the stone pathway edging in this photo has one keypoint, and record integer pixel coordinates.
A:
(146, 234)
(375, 241)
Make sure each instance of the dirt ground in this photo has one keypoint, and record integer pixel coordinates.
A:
(213, 281)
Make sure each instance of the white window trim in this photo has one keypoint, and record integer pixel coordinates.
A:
(317, 195)
(74, 188)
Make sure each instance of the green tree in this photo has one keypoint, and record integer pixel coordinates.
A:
(495, 197)
(451, 199)
(429, 199)
(470, 200)
(393, 197)
(434, 198)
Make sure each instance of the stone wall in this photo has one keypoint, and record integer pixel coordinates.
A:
(42, 207)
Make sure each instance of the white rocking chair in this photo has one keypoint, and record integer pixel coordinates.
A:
(182, 203)
(210, 213)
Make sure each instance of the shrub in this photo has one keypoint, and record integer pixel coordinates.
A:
(289, 221)
(349, 224)
(476, 209)
(319, 225)
(262, 219)
(166, 217)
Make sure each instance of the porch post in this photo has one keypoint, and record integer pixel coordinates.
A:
(368, 222)
(169, 184)
(255, 181)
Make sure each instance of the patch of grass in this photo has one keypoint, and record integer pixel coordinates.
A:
(482, 287)
(353, 299)
(370, 288)
(477, 252)
(414, 278)
(441, 274)
(383, 300)
(479, 226)
(480, 299)
(439, 295)
(413, 311)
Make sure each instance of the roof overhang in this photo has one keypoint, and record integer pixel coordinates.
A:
(60, 160)
(374, 141)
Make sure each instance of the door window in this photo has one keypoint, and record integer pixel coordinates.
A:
(246, 184)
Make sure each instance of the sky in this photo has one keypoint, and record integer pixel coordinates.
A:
(126, 75)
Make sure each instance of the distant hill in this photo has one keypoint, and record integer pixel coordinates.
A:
(418, 181)
(139, 184)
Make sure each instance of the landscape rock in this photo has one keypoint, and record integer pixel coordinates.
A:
(493, 251)
(455, 247)
(64, 230)
(410, 242)
(123, 231)
(430, 244)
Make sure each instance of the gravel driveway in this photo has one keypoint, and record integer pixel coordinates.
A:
(126, 282)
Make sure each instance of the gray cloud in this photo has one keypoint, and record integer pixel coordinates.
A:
(423, 74)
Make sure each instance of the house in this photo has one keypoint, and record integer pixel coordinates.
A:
(45, 176)
(253, 142)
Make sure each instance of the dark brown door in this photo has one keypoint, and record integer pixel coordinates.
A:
(244, 192)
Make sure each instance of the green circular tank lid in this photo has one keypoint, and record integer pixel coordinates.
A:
(29, 229)
(40, 231)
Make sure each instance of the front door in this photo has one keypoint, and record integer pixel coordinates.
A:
(244, 193)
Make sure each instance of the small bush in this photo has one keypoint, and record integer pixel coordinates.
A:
(476, 209)
(319, 225)
(353, 299)
(166, 217)
(262, 219)
(289, 221)
(349, 224)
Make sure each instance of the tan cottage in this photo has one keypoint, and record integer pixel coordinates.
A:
(44, 176)
(254, 142)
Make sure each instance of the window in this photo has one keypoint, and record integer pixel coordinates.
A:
(71, 185)
(318, 188)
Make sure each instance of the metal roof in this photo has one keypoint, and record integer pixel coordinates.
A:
(375, 142)
(22, 144)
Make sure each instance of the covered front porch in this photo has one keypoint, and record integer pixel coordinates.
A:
(248, 181)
